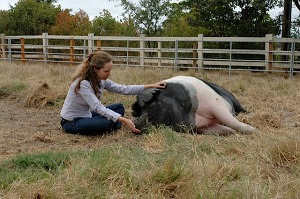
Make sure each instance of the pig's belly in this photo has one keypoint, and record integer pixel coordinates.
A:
(205, 121)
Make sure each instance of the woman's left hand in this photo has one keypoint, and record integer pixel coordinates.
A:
(160, 84)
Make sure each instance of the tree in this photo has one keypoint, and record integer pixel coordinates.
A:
(176, 24)
(4, 17)
(254, 20)
(179, 27)
(287, 17)
(105, 24)
(286, 20)
(233, 17)
(213, 15)
(64, 23)
(29, 17)
(148, 16)
(83, 25)
(295, 33)
(47, 1)
(68, 24)
(129, 27)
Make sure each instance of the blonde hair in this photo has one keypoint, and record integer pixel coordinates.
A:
(86, 70)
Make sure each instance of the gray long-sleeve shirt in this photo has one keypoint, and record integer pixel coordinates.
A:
(81, 104)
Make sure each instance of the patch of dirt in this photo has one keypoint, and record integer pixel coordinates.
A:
(28, 130)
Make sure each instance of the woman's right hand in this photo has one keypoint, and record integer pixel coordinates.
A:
(129, 123)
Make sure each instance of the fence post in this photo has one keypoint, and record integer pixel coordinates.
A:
(127, 53)
(45, 46)
(269, 52)
(90, 43)
(142, 50)
(292, 58)
(72, 50)
(200, 51)
(98, 44)
(159, 53)
(3, 56)
(176, 55)
(9, 50)
(23, 50)
(84, 49)
(194, 54)
(230, 58)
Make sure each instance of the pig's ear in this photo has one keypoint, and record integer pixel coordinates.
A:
(147, 96)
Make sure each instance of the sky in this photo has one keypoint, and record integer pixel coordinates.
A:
(94, 7)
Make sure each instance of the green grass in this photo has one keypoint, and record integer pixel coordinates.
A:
(10, 88)
(31, 168)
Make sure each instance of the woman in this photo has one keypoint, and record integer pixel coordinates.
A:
(82, 111)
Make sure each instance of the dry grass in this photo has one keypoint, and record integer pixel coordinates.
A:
(163, 163)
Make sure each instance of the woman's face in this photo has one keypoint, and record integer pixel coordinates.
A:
(104, 73)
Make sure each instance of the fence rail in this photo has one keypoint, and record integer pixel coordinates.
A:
(231, 53)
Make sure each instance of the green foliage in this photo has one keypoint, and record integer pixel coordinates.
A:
(152, 18)
(253, 20)
(29, 17)
(148, 16)
(214, 15)
(47, 1)
(105, 25)
(232, 17)
(31, 167)
(179, 27)
(3, 21)
(129, 28)
(295, 32)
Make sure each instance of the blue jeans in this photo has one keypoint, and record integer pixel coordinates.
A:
(95, 125)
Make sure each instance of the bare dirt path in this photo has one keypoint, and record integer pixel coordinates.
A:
(26, 130)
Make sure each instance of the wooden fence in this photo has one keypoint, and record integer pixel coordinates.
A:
(231, 53)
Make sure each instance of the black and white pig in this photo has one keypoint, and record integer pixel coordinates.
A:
(190, 103)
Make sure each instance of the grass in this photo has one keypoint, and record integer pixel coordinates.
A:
(7, 90)
(162, 163)
(31, 168)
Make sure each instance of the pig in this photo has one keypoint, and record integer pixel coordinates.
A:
(189, 103)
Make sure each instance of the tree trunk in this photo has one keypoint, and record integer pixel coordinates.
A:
(286, 21)
(286, 26)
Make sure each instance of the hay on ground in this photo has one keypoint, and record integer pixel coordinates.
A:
(41, 97)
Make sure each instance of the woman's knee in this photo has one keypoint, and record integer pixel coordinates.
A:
(122, 110)
(118, 107)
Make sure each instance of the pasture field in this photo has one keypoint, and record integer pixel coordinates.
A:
(39, 160)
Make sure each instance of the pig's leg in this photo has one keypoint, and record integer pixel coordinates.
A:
(226, 118)
(217, 129)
